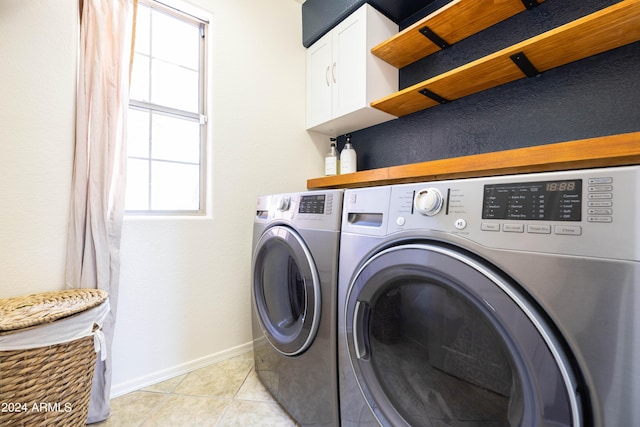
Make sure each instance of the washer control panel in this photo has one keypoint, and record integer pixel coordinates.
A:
(593, 212)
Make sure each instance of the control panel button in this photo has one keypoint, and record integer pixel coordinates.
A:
(460, 224)
(600, 204)
(489, 226)
(400, 221)
(600, 188)
(568, 230)
(603, 180)
(600, 211)
(602, 219)
(513, 228)
(538, 229)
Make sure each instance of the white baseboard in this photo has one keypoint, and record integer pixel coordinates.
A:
(165, 374)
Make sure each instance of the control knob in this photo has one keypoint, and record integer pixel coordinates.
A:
(282, 203)
(428, 201)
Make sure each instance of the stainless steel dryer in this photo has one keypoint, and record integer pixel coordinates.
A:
(294, 296)
(503, 301)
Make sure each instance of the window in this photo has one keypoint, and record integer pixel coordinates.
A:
(167, 120)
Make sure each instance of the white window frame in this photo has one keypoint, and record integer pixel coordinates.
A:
(185, 12)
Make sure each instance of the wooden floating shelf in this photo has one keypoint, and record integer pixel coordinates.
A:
(607, 29)
(451, 23)
(614, 150)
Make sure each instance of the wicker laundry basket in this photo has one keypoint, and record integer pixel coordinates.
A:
(47, 385)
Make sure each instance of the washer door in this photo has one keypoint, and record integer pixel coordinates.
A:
(437, 337)
(286, 290)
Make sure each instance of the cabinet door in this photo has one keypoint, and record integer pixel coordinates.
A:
(343, 77)
(319, 81)
(348, 69)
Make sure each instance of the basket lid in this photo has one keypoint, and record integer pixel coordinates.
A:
(46, 307)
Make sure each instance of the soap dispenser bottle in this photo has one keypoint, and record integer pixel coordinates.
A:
(348, 159)
(331, 160)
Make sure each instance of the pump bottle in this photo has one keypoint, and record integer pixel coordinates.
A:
(331, 160)
(348, 159)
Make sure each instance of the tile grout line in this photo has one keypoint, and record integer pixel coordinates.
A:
(245, 391)
(224, 413)
(151, 410)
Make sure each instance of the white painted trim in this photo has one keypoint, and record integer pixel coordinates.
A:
(165, 374)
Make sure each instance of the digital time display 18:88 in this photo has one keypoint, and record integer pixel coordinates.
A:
(561, 186)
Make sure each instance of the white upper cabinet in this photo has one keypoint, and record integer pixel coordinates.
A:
(343, 77)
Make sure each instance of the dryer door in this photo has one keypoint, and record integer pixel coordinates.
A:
(438, 337)
(286, 290)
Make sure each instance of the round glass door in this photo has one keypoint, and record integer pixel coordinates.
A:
(437, 337)
(286, 290)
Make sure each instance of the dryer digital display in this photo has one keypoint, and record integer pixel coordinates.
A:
(540, 201)
(312, 204)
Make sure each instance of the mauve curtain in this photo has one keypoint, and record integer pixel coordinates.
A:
(97, 199)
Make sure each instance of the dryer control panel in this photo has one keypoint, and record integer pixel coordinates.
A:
(591, 212)
(320, 210)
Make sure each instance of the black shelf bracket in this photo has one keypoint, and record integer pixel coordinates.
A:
(521, 60)
(530, 4)
(436, 39)
(435, 97)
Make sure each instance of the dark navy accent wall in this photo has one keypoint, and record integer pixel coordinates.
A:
(319, 16)
(596, 96)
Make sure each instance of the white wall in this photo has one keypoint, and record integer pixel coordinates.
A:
(184, 287)
(37, 108)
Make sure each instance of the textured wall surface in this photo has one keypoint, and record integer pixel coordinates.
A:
(596, 96)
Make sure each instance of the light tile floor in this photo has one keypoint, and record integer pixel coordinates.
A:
(224, 394)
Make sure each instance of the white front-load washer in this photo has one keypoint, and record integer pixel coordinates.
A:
(501, 301)
(294, 295)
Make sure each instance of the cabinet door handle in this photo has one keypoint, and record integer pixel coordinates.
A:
(333, 72)
(326, 76)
